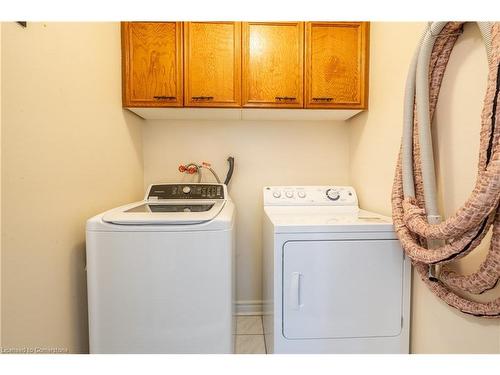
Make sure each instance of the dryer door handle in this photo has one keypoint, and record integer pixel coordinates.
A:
(295, 300)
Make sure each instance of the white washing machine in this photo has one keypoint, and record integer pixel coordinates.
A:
(160, 273)
(335, 277)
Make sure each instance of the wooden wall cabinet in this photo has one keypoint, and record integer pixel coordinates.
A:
(337, 65)
(312, 65)
(152, 64)
(212, 64)
(273, 68)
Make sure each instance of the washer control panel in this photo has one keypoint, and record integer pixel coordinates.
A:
(310, 196)
(185, 191)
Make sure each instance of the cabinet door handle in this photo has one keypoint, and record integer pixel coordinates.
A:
(288, 98)
(162, 97)
(322, 99)
(202, 97)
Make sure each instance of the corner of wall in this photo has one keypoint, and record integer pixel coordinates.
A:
(375, 134)
(69, 129)
(0, 184)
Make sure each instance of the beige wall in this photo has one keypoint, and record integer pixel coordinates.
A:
(375, 138)
(0, 184)
(68, 152)
(266, 153)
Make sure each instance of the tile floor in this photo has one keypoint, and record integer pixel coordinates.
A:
(250, 335)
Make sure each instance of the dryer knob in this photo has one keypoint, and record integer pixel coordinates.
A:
(289, 194)
(333, 195)
(186, 189)
(277, 194)
(301, 194)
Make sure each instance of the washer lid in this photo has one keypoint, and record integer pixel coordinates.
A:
(325, 219)
(165, 212)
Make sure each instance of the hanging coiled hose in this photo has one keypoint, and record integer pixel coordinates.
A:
(430, 243)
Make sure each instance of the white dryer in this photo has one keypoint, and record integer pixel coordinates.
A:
(335, 277)
(160, 273)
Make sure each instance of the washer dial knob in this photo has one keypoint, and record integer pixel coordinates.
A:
(276, 194)
(301, 194)
(186, 189)
(289, 194)
(332, 194)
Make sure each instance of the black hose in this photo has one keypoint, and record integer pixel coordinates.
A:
(230, 170)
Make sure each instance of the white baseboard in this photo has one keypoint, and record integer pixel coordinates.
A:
(249, 307)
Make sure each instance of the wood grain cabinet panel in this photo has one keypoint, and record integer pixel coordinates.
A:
(212, 64)
(152, 64)
(337, 65)
(273, 54)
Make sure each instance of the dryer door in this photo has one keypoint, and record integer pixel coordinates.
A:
(341, 289)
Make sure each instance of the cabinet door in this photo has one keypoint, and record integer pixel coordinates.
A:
(212, 62)
(273, 54)
(152, 64)
(337, 64)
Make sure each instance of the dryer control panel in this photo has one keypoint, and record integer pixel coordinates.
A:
(310, 196)
(185, 191)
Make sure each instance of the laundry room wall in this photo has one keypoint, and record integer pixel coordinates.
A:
(0, 184)
(374, 143)
(69, 151)
(266, 153)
